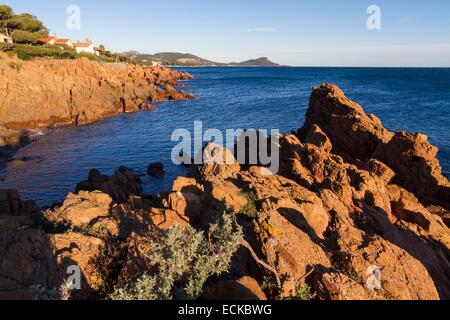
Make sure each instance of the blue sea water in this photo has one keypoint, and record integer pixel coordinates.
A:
(414, 100)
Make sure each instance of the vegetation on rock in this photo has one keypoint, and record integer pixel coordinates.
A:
(184, 258)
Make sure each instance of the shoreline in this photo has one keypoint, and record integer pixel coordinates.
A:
(77, 92)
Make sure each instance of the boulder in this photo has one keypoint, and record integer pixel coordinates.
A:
(318, 138)
(10, 137)
(166, 219)
(12, 205)
(84, 252)
(379, 169)
(82, 209)
(441, 212)
(416, 166)
(218, 162)
(120, 186)
(156, 170)
(243, 289)
(26, 259)
(338, 287)
(344, 122)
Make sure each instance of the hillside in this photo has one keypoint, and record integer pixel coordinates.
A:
(190, 60)
(260, 62)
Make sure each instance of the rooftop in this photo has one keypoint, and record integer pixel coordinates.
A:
(84, 44)
(47, 39)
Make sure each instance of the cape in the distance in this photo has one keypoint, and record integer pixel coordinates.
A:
(190, 60)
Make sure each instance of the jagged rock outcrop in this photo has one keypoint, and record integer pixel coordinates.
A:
(90, 230)
(156, 170)
(417, 169)
(344, 122)
(326, 225)
(119, 186)
(245, 288)
(335, 210)
(9, 137)
(48, 92)
(12, 205)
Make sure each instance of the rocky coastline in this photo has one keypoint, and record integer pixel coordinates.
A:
(48, 93)
(349, 196)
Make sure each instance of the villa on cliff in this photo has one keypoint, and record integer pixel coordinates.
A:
(86, 46)
(55, 40)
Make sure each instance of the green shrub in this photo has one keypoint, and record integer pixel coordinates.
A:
(6, 47)
(250, 209)
(16, 66)
(185, 259)
(26, 37)
(303, 292)
(60, 46)
(26, 52)
(26, 22)
(6, 12)
(41, 293)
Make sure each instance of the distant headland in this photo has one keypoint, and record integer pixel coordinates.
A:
(190, 60)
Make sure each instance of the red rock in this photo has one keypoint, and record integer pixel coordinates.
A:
(242, 289)
(417, 169)
(52, 92)
(11, 204)
(156, 170)
(338, 286)
(120, 186)
(319, 139)
(344, 122)
(218, 161)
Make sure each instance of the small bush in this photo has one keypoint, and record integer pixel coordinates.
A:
(26, 52)
(303, 292)
(6, 47)
(270, 287)
(185, 259)
(16, 66)
(26, 37)
(250, 209)
(41, 293)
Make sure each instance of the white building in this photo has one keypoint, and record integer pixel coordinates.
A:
(86, 46)
(48, 40)
(67, 42)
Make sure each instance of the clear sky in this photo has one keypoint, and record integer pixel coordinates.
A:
(294, 32)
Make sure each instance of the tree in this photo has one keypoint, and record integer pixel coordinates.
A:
(26, 22)
(6, 13)
(26, 37)
(25, 28)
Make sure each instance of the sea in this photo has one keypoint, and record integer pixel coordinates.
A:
(409, 99)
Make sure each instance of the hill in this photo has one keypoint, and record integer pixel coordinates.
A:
(190, 60)
(260, 62)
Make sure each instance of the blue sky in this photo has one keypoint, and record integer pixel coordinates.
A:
(294, 32)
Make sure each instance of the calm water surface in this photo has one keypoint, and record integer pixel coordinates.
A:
(261, 98)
